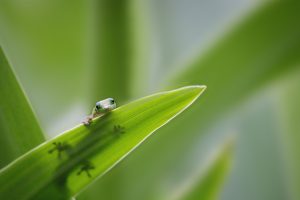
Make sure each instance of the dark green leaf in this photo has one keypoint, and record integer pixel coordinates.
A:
(19, 129)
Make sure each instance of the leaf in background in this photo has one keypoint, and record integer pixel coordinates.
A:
(62, 167)
(258, 168)
(120, 57)
(111, 74)
(209, 184)
(288, 99)
(46, 41)
(141, 37)
(19, 129)
(261, 49)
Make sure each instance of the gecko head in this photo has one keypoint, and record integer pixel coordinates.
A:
(105, 105)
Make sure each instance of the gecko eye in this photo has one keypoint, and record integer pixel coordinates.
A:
(112, 101)
(97, 106)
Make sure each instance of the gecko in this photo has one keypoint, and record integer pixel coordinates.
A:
(101, 108)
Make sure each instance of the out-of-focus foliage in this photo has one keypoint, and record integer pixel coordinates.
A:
(19, 129)
(288, 100)
(112, 52)
(208, 186)
(143, 43)
(120, 49)
(48, 41)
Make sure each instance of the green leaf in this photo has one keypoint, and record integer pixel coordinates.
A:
(288, 103)
(111, 74)
(257, 124)
(121, 45)
(40, 53)
(19, 129)
(209, 184)
(63, 166)
(262, 48)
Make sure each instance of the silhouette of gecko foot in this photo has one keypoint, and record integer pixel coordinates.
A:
(86, 167)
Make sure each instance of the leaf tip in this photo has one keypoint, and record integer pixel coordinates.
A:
(201, 88)
(198, 89)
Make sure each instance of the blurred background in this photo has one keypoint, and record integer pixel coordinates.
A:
(69, 54)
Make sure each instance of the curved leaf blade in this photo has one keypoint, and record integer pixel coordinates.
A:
(63, 166)
(289, 136)
(264, 47)
(19, 129)
(209, 185)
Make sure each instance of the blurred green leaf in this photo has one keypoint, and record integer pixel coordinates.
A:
(289, 98)
(19, 129)
(209, 185)
(258, 171)
(45, 41)
(120, 56)
(263, 47)
(62, 167)
(140, 47)
(111, 73)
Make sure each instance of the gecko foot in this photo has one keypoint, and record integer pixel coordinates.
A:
(87, 121)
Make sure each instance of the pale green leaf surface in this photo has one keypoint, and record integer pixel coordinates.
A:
(209, 185)
(251, 56)
(288, 104)
(46, 173)
(47, 41)
(19, 129)
(262, 48)
(258, 171)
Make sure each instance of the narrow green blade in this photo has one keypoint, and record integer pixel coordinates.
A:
(111, 74)
(121, 44)
(289, 98)
(209, 185)
(262, 48)
(19, 129)
(62, 167)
